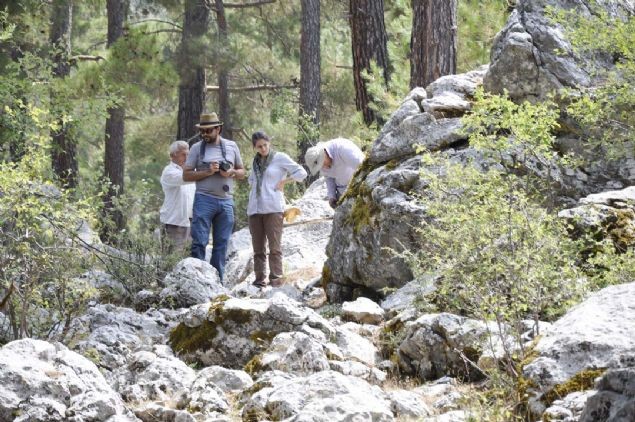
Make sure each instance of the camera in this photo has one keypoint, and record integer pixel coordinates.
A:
(225, 165)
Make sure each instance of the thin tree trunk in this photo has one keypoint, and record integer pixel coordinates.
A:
(224, 110)
(114, 157)
(433, 41)
(64, 149)
(309, 77)
(191, 67)
(369, 44)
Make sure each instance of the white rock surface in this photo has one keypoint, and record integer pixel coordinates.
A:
(326, 396)
(192, 281)
(48, 382)
(598, 333)
(362, 310)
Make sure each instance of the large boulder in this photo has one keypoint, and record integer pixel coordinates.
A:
(231, 331)
(192, 281)
(108, 334)
(531, 56)
(326, 396)
(436, 345)
(48, 382)
(593, 336)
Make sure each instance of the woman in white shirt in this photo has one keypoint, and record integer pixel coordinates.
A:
(271, 170)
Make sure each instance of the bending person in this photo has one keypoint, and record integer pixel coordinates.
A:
(337, 159)
(270, 172)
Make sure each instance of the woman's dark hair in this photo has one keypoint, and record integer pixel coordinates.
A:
(259, 135)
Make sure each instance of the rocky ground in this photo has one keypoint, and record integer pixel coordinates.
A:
(197, 350)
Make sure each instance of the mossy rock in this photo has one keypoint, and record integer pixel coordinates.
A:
(254, 366)
(326, 276)
(583, 380)
(184, 339)
(621, 228)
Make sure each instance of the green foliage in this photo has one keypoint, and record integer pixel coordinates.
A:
(604, 111)
(501, 255)
(479, 22)
(40, 254)
(498, 126)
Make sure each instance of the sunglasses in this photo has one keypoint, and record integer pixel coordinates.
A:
(208, 130)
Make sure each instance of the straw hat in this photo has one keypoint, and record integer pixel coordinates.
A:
(209, 120)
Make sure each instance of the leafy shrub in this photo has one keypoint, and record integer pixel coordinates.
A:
(40, 253)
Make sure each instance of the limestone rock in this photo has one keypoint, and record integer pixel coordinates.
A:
(356, 347)
(408, 404)
(109, 334)
(231, 331)
(363, 310)
(435, 344)
(153, 376)
(192, 281)
(48, 382)
(594, 334)
(359, 370)
(326, 396)
(228, 380)
(569, 408)
(615, 398)
(295, 353)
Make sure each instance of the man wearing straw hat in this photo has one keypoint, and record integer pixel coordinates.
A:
(213, 163)
(337, 159)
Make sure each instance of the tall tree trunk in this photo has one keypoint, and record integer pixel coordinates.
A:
(191, 67)
(224, 110)
(369, 43)
(433, 41)
(64, 149)
(114, 139)
(309, 77)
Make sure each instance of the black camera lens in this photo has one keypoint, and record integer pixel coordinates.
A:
(226, 188)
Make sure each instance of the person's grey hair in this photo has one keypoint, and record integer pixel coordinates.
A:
(176, 146)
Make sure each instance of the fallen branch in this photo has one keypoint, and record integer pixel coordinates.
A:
(245, 5)
(85, 57)
(251, 88)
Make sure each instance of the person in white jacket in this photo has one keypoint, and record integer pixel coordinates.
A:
(337, 159)
(176, 211)
(271, 170)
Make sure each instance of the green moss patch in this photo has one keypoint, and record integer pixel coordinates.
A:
(326, 276)
(184, 339)
(254, 366)
(581, 381)
(364, 209)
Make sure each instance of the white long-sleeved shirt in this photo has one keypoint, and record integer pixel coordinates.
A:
(346, 158)
(178, 197)
(270, 199)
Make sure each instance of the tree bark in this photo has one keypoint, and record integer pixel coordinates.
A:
(309, 76)
(433, 42)
(191, 67)
(64, 148)
(224, 110)
(369, 43)
(114, 157)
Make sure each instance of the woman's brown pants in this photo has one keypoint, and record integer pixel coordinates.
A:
(267, 227)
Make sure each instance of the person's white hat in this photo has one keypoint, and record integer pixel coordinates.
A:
(314, 158)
